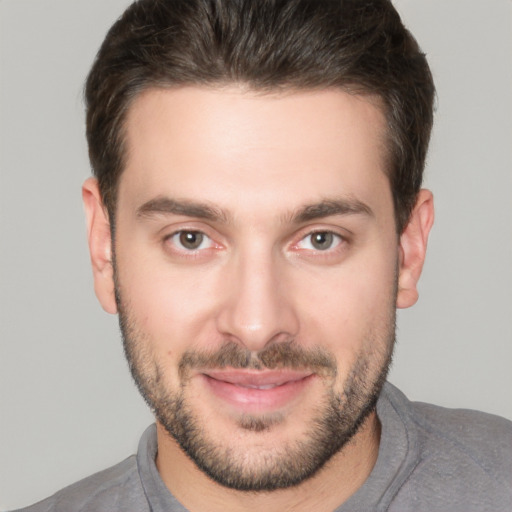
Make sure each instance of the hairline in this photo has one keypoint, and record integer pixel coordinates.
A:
(283, 90)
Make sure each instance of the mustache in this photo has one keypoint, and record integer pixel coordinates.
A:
(276, 356)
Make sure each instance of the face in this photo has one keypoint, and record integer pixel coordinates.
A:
(256, 272)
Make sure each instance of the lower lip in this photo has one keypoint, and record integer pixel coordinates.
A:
(251, 400)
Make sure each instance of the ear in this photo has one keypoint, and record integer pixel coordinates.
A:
(413, 247)
(100, 245)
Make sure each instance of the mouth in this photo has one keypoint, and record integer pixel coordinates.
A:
(251, 391)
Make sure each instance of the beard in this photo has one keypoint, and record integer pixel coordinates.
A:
(336, 418)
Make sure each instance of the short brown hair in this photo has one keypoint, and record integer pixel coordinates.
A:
(360, 46)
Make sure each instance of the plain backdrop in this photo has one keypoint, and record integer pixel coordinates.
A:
(67, 404)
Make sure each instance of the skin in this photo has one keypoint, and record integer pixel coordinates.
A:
(257, 280)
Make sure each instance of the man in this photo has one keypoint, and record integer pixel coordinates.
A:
(255, 220)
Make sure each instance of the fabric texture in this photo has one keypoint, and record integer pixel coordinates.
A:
(430, 459)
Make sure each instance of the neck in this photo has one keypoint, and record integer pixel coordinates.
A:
(341, 477)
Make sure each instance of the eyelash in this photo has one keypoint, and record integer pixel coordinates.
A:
(337, 240)
(174, 240)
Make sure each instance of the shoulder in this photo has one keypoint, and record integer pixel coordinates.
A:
(460, 454)
(485, 437)
(483, 440)
(115, 488)
(488, 438)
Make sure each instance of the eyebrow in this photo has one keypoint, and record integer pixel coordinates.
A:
(330, 207)
(307, 213)
(166, 205)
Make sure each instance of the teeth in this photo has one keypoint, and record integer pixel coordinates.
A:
(268, 386)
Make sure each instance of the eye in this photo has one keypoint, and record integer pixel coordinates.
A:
(320, 241)
(191, 240)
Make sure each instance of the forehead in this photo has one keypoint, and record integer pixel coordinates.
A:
(222, 145)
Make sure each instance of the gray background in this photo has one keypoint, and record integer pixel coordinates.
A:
(67, 404)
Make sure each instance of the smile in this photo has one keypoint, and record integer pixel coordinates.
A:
(256, 391)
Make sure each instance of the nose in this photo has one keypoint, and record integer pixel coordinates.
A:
(258, 309)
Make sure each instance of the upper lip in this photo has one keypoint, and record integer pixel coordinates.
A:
(257, 378)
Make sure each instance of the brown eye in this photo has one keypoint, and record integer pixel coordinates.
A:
(190, 240)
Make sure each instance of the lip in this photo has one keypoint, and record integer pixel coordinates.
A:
(250, 391)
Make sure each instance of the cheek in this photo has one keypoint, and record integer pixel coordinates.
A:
(172, 305)
(357, 304)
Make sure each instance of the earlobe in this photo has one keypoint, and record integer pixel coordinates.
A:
(100, 245)
(413, 247)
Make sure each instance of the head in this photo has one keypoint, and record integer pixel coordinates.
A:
(356, 46)
(261, 163)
